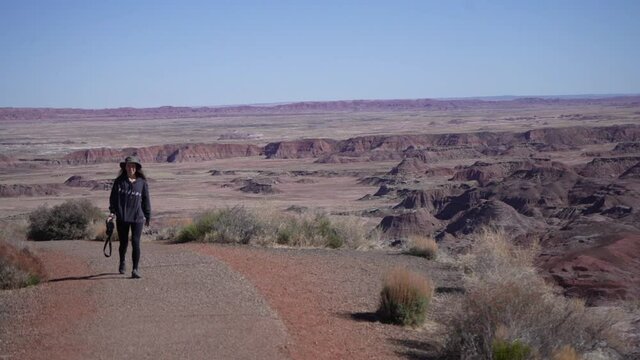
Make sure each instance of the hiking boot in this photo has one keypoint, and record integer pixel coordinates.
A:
(121, 268)
(135, 274)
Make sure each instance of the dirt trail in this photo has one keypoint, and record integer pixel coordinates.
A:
(186, 306)
(204, 301)
(328, 298)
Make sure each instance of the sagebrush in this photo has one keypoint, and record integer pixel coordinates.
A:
(505, 292)
(68, 221)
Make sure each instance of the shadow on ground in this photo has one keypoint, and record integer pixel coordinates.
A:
(414, 349)
(360, 316)
(102, 276)
(406, 349)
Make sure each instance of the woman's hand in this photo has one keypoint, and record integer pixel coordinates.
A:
(111, 217)
(146, 222)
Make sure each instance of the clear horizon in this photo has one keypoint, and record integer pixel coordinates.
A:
(96, 55)
(507, 97)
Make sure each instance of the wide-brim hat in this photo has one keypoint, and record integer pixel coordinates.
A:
(131, 159)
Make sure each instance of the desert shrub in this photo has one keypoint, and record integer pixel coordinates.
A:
(13, 230)
(169, 229)
(296, 231)
(328, 231)
(321, 230)
(565, 353)
(189, 233)
(307, 230)
(98, 231)
(505, 350)
(227, 225)
(267, 227)
(355, 232)
(423, 246)
(405, 297)
(504, 290)
(69, 220)
(18, 268)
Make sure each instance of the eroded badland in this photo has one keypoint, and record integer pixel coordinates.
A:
(564, 172)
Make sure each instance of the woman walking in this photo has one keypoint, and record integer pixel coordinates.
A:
(129, 204)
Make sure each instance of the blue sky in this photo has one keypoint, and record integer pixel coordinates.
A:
(107, 53)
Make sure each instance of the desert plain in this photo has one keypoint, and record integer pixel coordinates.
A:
(564, 173)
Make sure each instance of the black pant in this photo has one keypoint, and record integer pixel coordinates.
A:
(123, 237)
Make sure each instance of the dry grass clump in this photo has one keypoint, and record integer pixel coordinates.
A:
(405, 297)
(169, 229)
(565, 353)
(308, 230)
(268, 227)
(98, 231)
(227, 225)
(505, 350)
(18, 268)
(320, 230)
(423, 246)
(508, 303)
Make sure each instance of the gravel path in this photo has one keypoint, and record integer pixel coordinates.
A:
(328, 299)
(186, 306)
(204, 301)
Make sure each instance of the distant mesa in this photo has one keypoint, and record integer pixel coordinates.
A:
(299, 149)
(240, 136)
(79, 181)
(417, 153)
(173, 112)
(16, 190)
(164, 153)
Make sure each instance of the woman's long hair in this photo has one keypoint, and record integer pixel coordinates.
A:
(139, 174)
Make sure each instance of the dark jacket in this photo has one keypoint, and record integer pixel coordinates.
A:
(130, 201)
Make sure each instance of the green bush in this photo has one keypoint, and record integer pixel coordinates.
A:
(404, 298)
(504, 350)
(285, 234)
(329, 232)
(18, 268)
(188, 233)
(69, 220)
